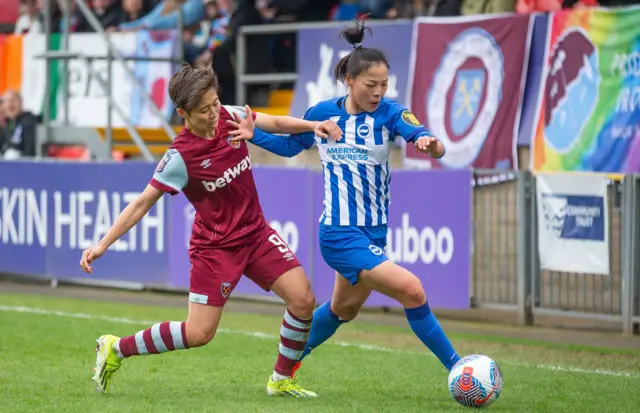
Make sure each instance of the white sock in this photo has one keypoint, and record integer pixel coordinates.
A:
(278, 377)
(116, 348)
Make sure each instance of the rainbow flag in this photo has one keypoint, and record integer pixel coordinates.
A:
(589, 105)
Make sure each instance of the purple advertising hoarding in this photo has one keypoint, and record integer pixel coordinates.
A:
(429, 234)
(24, 197)
(50, 212)
(319, 50)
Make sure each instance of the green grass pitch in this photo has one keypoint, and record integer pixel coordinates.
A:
(47, 353)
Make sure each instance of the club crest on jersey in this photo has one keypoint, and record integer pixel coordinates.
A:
(163, 162)
(225, 289)
(363, 131)
(410, 119)
(234, 145)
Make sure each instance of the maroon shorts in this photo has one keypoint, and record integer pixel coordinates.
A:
(215, 272)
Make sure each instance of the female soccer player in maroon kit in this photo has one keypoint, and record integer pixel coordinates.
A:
(230, 235)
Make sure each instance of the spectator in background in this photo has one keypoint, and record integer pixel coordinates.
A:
(378, 9)
(530, 6)
(315, 10)
(76, 22)
(165, 16)
(132, 10)
(415, 8)
(469, 7)
(29, 21)
(594, 3)
(108, 12)
(211, 33)
(20, 128)
(258, 53)
(446, 7)
(3, 132)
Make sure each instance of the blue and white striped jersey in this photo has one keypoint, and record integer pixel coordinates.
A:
(356, 168)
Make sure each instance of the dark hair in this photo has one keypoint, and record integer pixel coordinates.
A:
(187, 86)
(361, 58)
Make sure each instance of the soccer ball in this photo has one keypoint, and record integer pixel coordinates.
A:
(475, 381)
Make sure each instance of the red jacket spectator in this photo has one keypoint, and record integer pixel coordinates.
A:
(530, 6)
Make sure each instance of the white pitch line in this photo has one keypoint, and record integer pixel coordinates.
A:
(257, 334)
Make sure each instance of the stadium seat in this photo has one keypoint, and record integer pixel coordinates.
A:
(77, 152)
(281, 98)
(156, 140)
(279, 103)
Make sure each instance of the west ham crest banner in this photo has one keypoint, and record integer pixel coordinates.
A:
(467, 82)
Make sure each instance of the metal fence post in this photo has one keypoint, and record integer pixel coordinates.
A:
(635, 273)
(525, 250)
(47, 90)
(241, 68)
(65, 63)
(534, 263)
(628, 256)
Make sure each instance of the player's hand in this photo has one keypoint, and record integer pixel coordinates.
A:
(89, 255)
(244, 127)
(328, 128)
(430, 146)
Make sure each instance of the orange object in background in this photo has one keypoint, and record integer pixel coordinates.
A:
(10, 63)
(78, 153)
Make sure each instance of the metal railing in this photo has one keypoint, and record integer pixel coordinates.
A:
(506, 273)
(112, 55)
(592, 296)
(495, 240)
(243, 78)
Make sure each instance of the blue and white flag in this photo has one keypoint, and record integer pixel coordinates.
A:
(573, 223)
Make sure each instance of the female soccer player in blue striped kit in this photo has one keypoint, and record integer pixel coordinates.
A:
(353, 230)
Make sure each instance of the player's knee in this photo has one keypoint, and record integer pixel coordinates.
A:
(198, 337)
(347, 310)
(302, 306)
(413, 294)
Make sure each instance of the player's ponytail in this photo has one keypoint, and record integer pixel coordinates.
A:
(361, 57)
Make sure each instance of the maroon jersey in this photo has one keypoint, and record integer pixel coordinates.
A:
(215, 175)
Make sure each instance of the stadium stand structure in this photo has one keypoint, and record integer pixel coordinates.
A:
(157, 140)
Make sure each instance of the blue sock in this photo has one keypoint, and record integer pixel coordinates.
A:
(324, 325)
(425, 325)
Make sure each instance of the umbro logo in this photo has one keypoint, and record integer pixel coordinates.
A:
(206, 163)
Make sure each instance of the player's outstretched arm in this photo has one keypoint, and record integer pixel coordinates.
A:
(411, 130)
(283, 124)
(127, 219)
(430, 146)
(244, 125)
(291, 125)
(287, 146)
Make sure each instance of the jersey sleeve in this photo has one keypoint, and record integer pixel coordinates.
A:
(238, 111)
(171, 173)
(312, 114)
(407, 126)
(282, 145)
